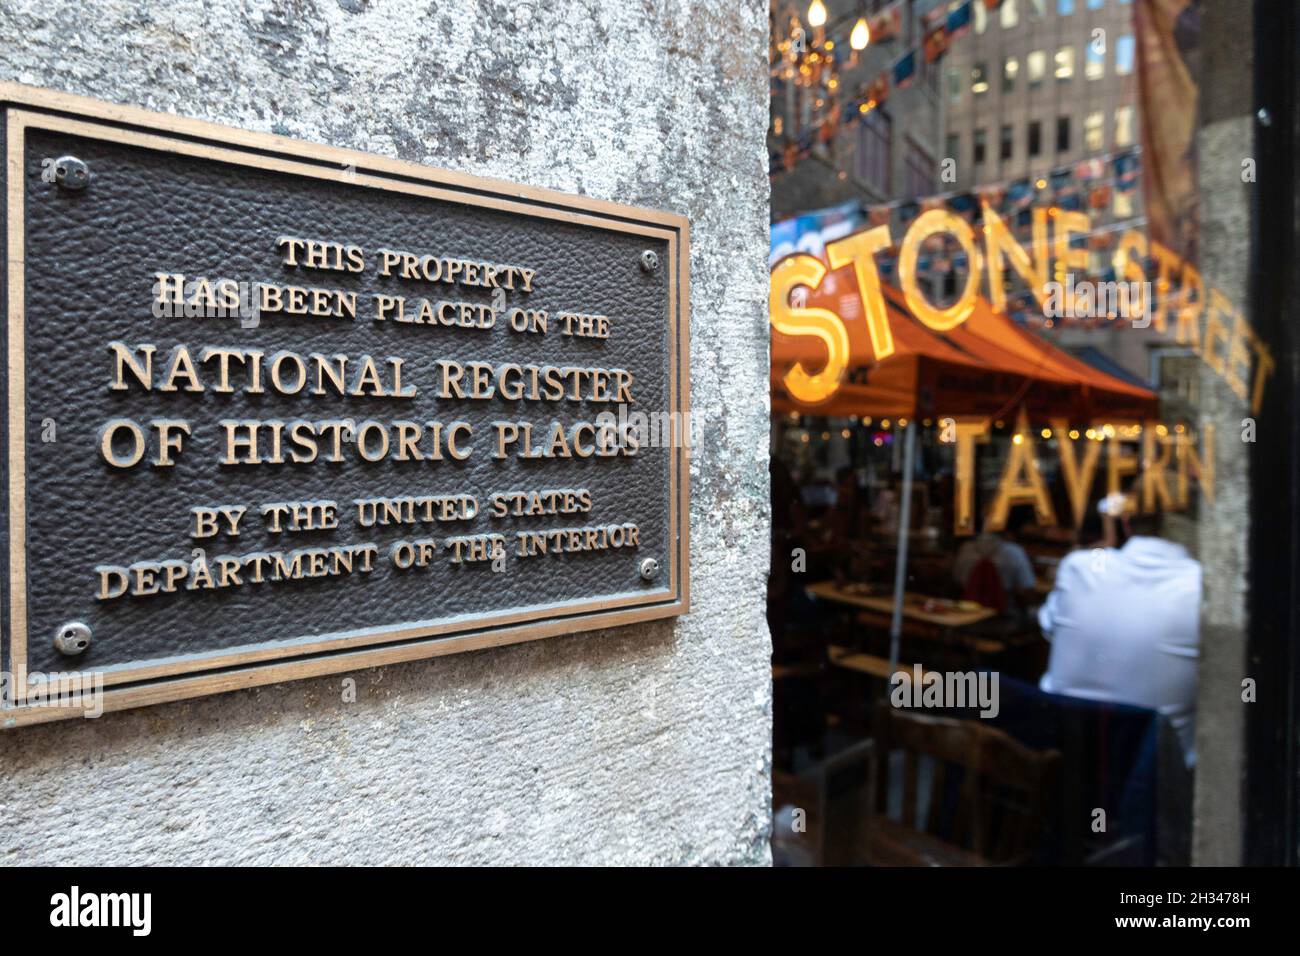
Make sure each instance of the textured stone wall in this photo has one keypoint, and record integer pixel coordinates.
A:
(645, 744)
(1225, 137)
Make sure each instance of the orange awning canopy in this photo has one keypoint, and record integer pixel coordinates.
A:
(988, 367)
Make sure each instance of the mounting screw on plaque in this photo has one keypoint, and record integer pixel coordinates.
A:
(650, 261)
(649, 568)
(71, 173)
(72, 638)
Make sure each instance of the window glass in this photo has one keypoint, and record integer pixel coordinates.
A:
(1095, 65)
(1010, 70)
(1124, 51)
(874, 141)
(1065, 64)
(1036, 64)
(1124, 126)
(1094, 131)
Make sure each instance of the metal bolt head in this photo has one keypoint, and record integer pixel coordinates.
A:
(72, 638)
(649, 568)
(71, 173)
(650, 261)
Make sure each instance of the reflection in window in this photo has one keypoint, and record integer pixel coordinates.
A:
(981, 17)
(1036, 64)
(1034, 141)
(1124, 55)
(919, 168)
(1094, 131)
(1064, 7)
(1095, 66)
(978, 148)
(1063, 134)
(1010, 14)
(874, 136)
(1010, 70)
(1006, 143)
(979, 79)
(1124, 126)
(1123, 204)
(1065, 63)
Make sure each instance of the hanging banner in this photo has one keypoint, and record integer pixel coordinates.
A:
(1168, 32)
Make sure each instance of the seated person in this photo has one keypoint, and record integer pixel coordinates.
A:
(1013, 588)
(1123, 626)
(885, 508)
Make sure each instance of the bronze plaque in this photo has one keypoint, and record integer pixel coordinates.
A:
(275, 409)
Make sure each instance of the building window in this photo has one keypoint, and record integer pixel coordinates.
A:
(1064, 7)
(1124, 126)
(919, 168)
(953, 148)
(1038, 9)
(1006, 144)
(1063, 134)
(1094, 131)
(1124, 55)
(1123, 205)
(874, 137)
(1010, 70)
(979, 78)
(1036, 64)
(954, 85)
(978, 147)
(1065, 64)
(1096, 4)
(981, 18)
(1010, 14)
(1094, 67)
(1034, 141)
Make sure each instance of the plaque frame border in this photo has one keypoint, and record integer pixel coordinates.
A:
(285, 659)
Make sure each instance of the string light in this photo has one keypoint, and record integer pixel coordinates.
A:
(817, 14)
(861, 34)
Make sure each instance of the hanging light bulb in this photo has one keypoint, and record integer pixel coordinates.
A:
(816, 14)
(861, 34)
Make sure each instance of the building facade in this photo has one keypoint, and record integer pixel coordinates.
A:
(1039, 84)
(892, 153)
(1042, 85)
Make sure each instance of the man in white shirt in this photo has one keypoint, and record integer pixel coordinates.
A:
(1123, 623)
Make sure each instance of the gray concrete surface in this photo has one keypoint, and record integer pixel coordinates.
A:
(648, 744)
(1223, 140)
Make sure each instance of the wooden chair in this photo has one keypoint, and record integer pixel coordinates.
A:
(987, 797)
(835, 797)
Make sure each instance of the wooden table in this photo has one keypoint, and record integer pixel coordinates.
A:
(913, 606)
